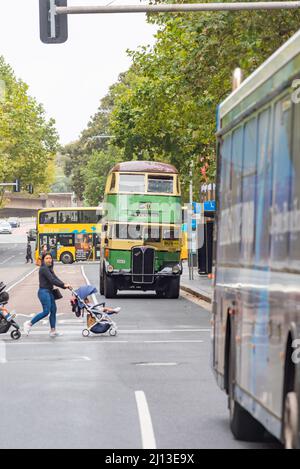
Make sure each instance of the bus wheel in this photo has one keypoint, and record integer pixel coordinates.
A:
(173, 289)
(110, 289)
(291, 422)
(101, 289)
(67, 258)
(243, 426)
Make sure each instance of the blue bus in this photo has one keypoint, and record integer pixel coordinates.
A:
(256, 306)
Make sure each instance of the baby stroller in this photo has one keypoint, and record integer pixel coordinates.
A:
(6, 325)
(98, 322)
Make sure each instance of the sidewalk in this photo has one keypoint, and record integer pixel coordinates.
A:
(201, 286)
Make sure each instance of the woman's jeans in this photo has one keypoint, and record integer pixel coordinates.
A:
(49, 307)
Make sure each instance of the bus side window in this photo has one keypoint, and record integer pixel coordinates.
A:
(223, 229)
(249, 183)
(263, 190)
(235, 215)
(282, 164)
(294, 254)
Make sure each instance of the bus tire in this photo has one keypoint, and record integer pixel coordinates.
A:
(101, 289)
(110, 290)
(67, 258)
(173, 289)
(291, 421)
(243, 426)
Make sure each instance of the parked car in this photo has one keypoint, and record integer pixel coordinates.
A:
(5, 228)
(32, 234)
(14, 222)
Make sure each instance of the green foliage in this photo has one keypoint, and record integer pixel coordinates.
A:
(99, 165)
(28, 142)
(164, 107)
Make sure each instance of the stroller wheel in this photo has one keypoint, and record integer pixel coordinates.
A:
(16, 335)
(85, 333)
(113, 332)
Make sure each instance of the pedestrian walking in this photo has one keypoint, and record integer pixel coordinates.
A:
(29, 253)
(46, 294)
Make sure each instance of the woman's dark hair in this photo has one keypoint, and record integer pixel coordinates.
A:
(45, 254)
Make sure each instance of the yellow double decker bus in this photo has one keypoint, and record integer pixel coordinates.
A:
(70, 234)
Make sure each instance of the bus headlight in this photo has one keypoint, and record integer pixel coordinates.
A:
(176, 269)
(110, 269)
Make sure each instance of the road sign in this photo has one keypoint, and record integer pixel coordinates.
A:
(210, 206)
(53, 27)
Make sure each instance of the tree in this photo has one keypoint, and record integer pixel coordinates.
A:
(28, 142)
(96, 173)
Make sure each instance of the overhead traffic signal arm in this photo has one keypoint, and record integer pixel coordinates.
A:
(54, 13)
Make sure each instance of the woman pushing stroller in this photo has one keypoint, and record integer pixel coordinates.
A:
(47, 281)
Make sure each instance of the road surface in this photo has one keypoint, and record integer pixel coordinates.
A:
(149, 387)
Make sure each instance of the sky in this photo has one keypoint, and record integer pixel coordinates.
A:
(70, 79)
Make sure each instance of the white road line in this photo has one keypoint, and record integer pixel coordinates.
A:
(160, 331)
(173, 341)
(22, 279)
(88, 283)
(156, 364)
(148, 438)
(3, 352)
(6, 260)
(94, 340)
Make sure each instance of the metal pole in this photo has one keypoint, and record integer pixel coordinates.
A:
(178, 8)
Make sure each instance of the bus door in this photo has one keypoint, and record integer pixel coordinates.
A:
(52, 244)
(97, 247)
(50, 241)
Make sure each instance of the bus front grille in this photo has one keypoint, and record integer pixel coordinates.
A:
(143, 259)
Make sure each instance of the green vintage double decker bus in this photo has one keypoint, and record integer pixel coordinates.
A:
(141, 239)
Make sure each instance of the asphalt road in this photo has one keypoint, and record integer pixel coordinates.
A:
(151, 386)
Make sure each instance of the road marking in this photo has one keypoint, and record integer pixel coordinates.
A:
(160, 331)
(156, 364)
(88, 283)
(3, 352)
(173, 341)
(22, 279)
(94, 340)
(6, 260)
(148, 438)
(19, 315)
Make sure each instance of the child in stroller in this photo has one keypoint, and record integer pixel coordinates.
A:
(7, 320)
(98, 316)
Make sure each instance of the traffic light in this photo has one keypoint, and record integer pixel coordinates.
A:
(17, 185)
(53, 28)
(30, 189)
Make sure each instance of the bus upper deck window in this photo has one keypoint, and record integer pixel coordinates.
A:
(48, 218)
(161, 184)
(134, 183)
(68, 217)
(113, 183)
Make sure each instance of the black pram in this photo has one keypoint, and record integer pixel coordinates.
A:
(6, 325)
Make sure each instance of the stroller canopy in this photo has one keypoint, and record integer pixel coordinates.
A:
(84, 292)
